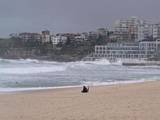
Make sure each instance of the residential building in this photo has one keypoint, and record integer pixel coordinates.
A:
(156, 31)
(92, 35)
(14, 35)
(32, 37)
(144, 31)
(134, 30)
(102, 31)
(127, 30)
(55, 39)
(46, 36)
(80, 37)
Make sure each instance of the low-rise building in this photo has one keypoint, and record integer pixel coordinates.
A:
(150, 48)
(102, 31)
(117, 50)
(30, 37)
(93, 35)
(139, 50)
(56, 39)
(80, 37)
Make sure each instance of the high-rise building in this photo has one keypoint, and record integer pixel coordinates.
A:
(127, 30)
(144, 31)
(135, 29)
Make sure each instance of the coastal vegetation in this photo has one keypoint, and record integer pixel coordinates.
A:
(71, 50)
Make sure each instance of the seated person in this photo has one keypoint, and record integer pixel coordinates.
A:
(85, 89)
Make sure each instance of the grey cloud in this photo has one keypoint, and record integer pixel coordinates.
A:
(70, 15)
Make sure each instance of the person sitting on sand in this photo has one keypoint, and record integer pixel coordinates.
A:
(85, 89)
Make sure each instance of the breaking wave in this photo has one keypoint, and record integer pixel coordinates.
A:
(101, 62)
(33, 66)
(31, 70)
(24, 61)
(31, 74)
(82, 63)
(28, 66)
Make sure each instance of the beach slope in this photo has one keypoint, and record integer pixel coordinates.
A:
(139, 101)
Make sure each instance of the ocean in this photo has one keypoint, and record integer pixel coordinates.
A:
(29, 74)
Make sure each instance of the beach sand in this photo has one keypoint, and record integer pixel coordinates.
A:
(140, 101)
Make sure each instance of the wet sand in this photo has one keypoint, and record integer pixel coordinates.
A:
(140, 101)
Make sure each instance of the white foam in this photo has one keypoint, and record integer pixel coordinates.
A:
(103, 62)
(26, 61)
(98, 83)
(32, 70)
(100, 62)
(34, 88)
(29, 66)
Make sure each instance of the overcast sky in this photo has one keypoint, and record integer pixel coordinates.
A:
(70, 15)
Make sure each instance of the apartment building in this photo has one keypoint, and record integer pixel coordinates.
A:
(127, 30)
(46, 36)
(55, 39)
(30, 37)
(80, 37)
(156, 31)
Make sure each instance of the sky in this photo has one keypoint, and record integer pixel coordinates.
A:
(70, 15)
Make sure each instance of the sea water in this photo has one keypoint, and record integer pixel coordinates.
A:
(28, 74)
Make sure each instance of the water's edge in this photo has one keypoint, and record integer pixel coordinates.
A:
(17, 90)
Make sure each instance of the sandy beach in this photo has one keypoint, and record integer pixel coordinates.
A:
(140, 101)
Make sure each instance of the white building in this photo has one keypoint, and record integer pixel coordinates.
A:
(127, 30)
(30, 37)
(144, 31)
(117, 50)
(135, 29)
(80, 37)
(150, 47)
(55, 39)
(141, 50)
(156, 31)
